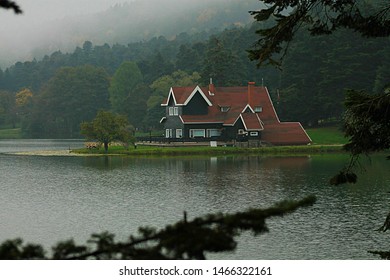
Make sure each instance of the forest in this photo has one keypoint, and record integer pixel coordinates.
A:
(50, 97)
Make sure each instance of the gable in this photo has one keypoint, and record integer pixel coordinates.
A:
(195, 92)
(182, 96)
(248, 109)
(171, 100)
(251, 122)
(196, 105)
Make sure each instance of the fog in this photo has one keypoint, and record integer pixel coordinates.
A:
(50, 25)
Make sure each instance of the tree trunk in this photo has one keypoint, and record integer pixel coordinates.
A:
(106, 147)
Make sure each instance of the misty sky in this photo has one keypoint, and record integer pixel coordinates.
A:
(44, 10)
(21, 35)
(17, 32)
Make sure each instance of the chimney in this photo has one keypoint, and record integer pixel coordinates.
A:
(251, 86)
(211, 87)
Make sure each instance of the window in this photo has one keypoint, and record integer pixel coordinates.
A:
(213, 132)
(225, 108)
(168, 133)
(258, 109)
(241, 132)
(173, 111)
(254, 133)
(179, 133)
(197, 133)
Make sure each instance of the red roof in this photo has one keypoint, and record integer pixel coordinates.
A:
(288, 133)
(251, 121)
(251, 104)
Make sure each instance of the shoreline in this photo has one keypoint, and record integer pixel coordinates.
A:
(49, 153)
(146, 151)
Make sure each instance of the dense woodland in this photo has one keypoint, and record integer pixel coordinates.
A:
(49, 98)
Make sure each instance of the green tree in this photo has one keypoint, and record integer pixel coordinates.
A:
(383, 71)
(136, 104)
(188, 59)
(107, 127)
(221, 64)
(178, 78)
(155, 66)
(369, 18)
(123, 84)
(160, 88)
(73, 95)
(7, 109)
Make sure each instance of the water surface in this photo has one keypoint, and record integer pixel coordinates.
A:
(48, 199)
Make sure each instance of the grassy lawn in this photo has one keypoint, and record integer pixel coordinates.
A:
(12, 133)
(213, 151)
(326, 136)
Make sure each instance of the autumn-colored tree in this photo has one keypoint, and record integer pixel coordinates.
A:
(23, 98)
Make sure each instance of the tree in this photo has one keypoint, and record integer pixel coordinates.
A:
(383, 71)
(156, 65)
(221, 64)
(107, 127)
(123, 84)
(178, 78)
(186, 239)
(161, 88)
(136, 105)
(23, 97)
(371, 19)
(23, 105)
(7, 109)
(188, 59)
(73, 95)
(367, 124)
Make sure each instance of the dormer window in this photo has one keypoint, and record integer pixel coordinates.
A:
(258, 109)
(225, 109)
(173, 111)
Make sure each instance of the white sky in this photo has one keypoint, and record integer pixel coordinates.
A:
(21, 34)
(45, 10)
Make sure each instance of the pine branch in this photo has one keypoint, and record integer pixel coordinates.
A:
(192, 239)
(6, 4)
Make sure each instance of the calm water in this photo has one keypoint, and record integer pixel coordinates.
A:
(48, 199)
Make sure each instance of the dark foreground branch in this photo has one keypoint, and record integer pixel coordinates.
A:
(383, 254)
(213, 233)
(6, 4)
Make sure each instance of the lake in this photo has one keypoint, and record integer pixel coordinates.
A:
(49, 199)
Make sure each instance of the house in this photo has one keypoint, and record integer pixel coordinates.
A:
(228, 113)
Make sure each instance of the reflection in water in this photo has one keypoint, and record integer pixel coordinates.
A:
(47, 199)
